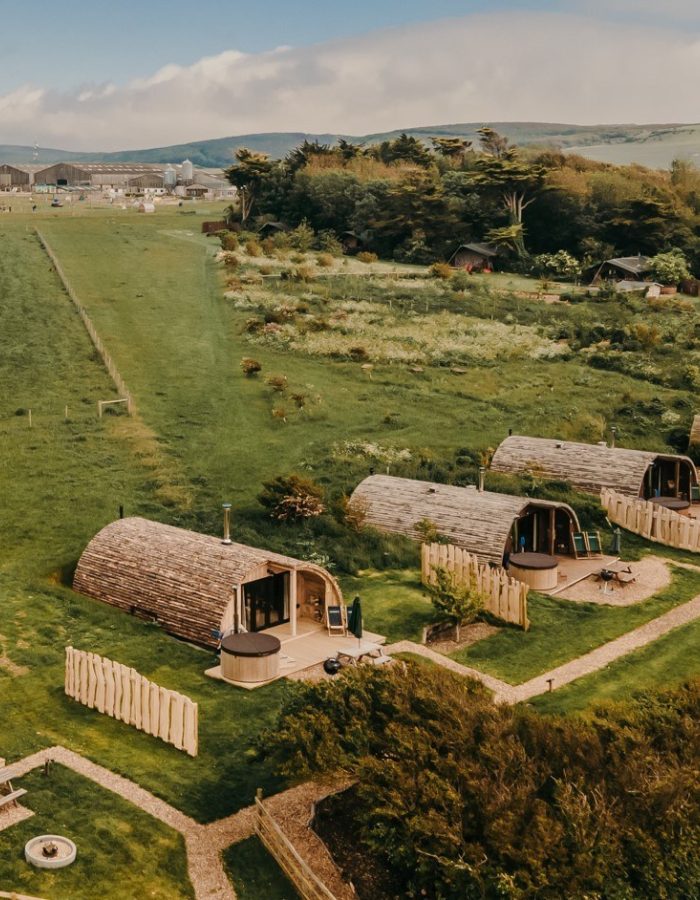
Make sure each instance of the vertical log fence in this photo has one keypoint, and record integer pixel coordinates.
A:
(505, 597)
(653, 522)
(122, 693)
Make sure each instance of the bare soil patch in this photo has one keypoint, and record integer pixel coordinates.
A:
(468, 635)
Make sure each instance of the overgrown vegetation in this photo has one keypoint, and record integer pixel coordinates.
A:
(458, 798)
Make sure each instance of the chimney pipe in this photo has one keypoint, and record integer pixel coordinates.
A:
(613, 432)
(482, 475)
(227, 523)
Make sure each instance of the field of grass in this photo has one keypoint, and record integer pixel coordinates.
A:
(561, 630)
(122, 851)
(667, 662)
(205, 433)
(254, 874)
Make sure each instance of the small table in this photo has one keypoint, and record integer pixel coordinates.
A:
(538, 570)
(361, 649)
(674, 503)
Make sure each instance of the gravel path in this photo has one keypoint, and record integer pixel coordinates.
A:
(576, 668)
(204, 843)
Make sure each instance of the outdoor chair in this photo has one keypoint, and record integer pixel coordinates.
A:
(695, 493)
(336, 620)
(578, 540)
(593, 543)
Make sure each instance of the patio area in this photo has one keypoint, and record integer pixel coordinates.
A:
(310, 646)
(571, 571)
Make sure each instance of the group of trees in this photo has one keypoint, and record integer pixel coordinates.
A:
(456, 797)
(413, 202)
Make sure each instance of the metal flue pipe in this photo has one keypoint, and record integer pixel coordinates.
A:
(227, 523)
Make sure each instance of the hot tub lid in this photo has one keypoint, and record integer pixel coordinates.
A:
(250, 644)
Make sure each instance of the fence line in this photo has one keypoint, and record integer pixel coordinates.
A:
(652, 521)
(505, 597)
(308, 884)
(124, 694)
(91, 330)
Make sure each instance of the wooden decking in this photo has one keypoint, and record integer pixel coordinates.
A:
(310, 646)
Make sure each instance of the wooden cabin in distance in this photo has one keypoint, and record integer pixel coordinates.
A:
(474, 257)
(485, 523)
(591, 467)
(194, 585)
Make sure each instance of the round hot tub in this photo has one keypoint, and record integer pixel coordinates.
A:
(538, 570)
(250, 657)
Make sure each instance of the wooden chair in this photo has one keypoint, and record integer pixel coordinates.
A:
(593, 544)
(695, 493)
(578, 542)
(336, 620)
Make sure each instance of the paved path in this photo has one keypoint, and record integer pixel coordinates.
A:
(205, 843)
(590, 662)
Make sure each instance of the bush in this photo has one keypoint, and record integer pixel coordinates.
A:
(366, 257)
(328, 242)
(556, 265)
(460, 602)
(292, 497)
(278, 383)
(229, 241)
(441, 270)
(250, 366)
(230, 260)
(303, 237)
(324, 260)
(669, 268)
(253, 248)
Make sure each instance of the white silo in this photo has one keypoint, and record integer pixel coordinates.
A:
(187, 172)
(169, 178)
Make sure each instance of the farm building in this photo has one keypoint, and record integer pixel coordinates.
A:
(14, 177)
(194, 585)
(473, 257)
(485, 523)
(623, 268)
(591, 467)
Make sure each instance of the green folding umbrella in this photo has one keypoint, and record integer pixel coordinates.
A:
(355, 618)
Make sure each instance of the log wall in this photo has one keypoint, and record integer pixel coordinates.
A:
(120, 692)
(651, 521)
(506, 597)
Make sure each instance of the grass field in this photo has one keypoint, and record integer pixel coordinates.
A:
(204, 433)
(122, 851)
(254, 875)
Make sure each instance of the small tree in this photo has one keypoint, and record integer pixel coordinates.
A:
(292, 498)
(557, 265)
(250, 366)
(669, 268)
(460, 602)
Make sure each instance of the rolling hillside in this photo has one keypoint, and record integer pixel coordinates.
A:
(651, 145)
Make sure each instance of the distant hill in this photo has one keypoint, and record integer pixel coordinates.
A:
(650, 145)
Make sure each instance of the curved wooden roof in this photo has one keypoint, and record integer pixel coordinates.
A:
(181, 579)
(478, 521)
(588, 467)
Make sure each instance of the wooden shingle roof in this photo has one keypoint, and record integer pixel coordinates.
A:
(588, 467)
(181, 579)
(478, 521)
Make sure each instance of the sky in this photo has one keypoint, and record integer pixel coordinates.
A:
(107, 76)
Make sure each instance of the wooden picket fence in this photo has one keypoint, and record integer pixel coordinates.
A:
(124, 694)
(506, 597)
(309, 886)
(107, 360)
(651, 521)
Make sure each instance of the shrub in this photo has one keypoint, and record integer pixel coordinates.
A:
(324, 260)
(229, 240)
(303, 237)
(230, 260)
(299, 400)
(441, 270)
(669, 268)
(329, 242)
(278, 383)
(557, 265)
(366, 257)
(250, 366)
(358, 354)
(354, 512)
(303, 273)
(279, 412)
(460, 602)
(292, 497)
(253, 248)
(266, 270)
(428, 531)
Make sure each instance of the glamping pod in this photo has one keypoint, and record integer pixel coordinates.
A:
(485, 523)
(196, 586)
(591, 467)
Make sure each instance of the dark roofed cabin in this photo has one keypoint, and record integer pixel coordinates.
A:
(270, 229)
(622, 268)
(474, 257)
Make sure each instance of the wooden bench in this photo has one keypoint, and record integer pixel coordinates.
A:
(12, 797)
(7, 773)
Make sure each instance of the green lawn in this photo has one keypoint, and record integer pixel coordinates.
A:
(254, 874)
(667, 662)
(394, 603)
(122, 851)
(561, 630)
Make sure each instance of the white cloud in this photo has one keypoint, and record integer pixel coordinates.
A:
(510, 66)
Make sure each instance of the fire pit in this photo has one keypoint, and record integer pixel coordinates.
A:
(50, 851)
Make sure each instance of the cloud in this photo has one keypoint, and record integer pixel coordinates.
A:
(524, 66)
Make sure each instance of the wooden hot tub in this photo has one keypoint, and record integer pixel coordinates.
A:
(538, 570)
(250, 657)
